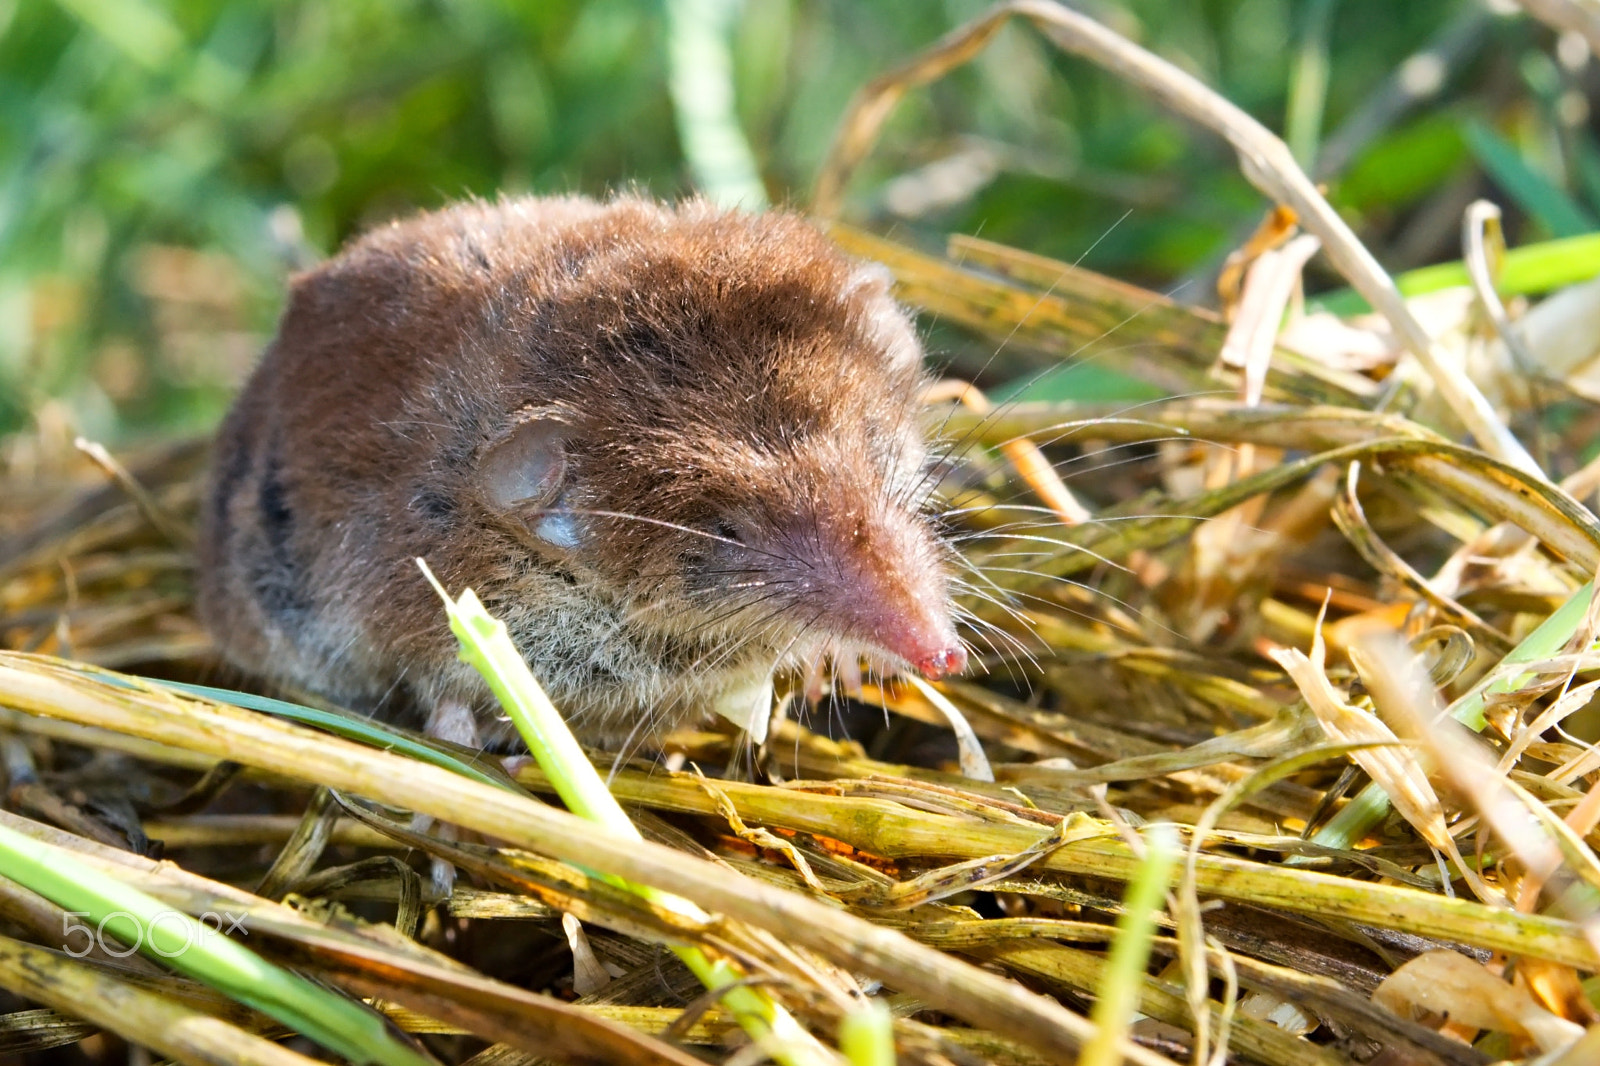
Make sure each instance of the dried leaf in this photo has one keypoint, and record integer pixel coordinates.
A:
(1462, 990)
(1386, 762)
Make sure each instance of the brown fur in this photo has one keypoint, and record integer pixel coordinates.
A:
(724, 373)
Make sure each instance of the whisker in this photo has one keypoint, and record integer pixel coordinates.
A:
(983, 628)
(654, 522)
(1131, 609)
(998, 597)
(1070, 359)
(1060, 548)
(737, 609)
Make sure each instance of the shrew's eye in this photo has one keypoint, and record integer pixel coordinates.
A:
(724, 529)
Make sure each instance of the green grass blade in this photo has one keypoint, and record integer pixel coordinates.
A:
(487, 647)
(1308, 83)
(1130, 951)
(1586, 162)
(1528, 271)
(1532, 191)
(700, 80)
(1371, 805)
(135, 28)
(343, 725)
(196, 950)
(866, 1036)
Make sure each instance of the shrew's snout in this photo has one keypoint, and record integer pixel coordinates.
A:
(944, 662)
(881, 581)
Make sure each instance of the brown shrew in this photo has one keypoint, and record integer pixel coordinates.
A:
(674, 448)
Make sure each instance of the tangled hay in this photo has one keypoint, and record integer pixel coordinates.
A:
(1293, 580)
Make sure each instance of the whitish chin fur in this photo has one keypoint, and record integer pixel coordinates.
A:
(618, 682)
(622, 685)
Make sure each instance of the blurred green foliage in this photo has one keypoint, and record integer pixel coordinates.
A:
(164, 164)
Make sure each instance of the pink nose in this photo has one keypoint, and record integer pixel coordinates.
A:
(943, 663)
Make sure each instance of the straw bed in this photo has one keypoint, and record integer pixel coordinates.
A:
(1230, 818)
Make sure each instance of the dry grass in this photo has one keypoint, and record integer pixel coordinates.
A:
(1292, 571)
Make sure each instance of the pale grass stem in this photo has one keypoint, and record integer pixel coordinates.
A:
(487, 647)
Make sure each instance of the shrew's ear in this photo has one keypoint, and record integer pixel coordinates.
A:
(526, 468)
(886, 325)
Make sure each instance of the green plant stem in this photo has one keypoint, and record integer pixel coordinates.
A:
(700, 79)
(196, 950)
(1529, 270)
(340, 725)
(1371, 804)
(866, 1036)
(487, 647)
(1130, 951)
(1308, 85)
